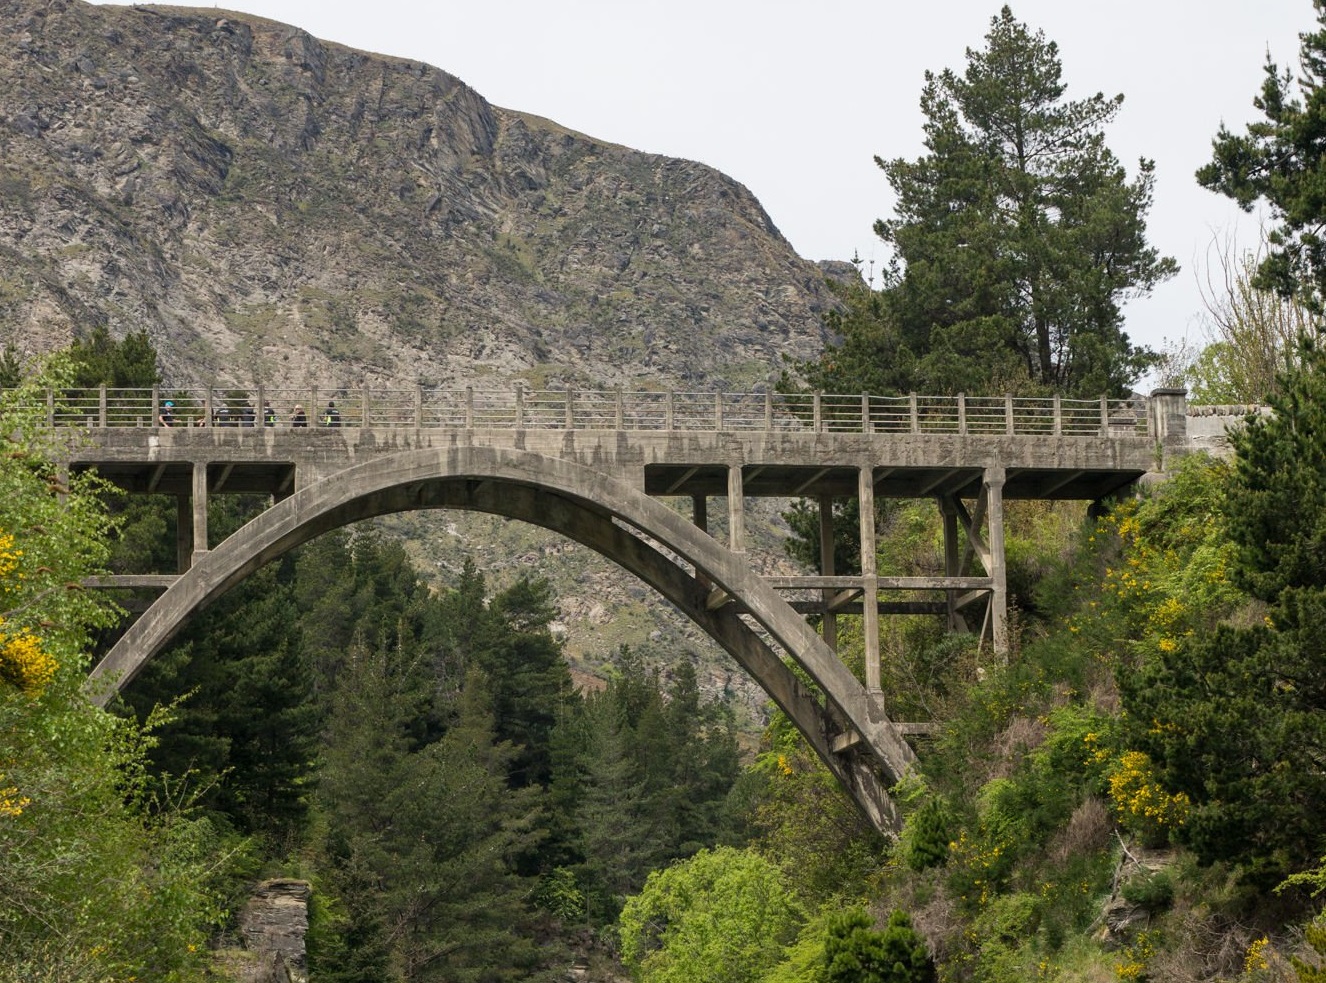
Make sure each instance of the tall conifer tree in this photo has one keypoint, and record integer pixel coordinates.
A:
(1018, 233)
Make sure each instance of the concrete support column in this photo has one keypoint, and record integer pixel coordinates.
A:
(869, 578)
(994, 512)
(183, 534)
(952, 559)
(830, 622)
(199, 509)
(736, 510)
(700, 516)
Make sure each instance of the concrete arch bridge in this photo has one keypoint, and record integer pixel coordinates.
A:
(601, 469)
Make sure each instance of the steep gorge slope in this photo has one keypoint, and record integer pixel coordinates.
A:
(274, 208)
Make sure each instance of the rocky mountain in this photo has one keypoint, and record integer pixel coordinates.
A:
(275, 208)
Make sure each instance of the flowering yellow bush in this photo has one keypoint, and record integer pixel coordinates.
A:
(11, 803)
(1140, 801)
(23, 662)
(1137, 956)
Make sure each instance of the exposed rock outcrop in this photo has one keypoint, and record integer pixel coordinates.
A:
(273, 924)
(268, 205)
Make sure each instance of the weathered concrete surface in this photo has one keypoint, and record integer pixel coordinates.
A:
(1208, 427)
(672, 462)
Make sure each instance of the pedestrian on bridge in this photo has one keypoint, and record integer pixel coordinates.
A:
(268, 414)
(331, 417)
(167, 417)
(300, 419)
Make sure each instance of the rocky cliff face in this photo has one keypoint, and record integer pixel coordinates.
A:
(273, 208)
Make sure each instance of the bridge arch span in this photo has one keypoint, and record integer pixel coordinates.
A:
(844, 723)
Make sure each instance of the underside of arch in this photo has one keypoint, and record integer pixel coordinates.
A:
(643, 536)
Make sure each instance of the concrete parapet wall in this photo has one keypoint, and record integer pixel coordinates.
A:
(1208, 426)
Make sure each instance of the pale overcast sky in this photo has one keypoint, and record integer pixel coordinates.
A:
(794, 99)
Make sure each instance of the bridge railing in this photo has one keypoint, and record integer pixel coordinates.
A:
(568, 409)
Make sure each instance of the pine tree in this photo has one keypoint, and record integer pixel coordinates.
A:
(1018, 233)
(1279, 160)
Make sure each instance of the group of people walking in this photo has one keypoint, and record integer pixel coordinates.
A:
(245, 416)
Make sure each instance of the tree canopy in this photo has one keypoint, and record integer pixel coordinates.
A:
(1017, 235)
(1280, 160)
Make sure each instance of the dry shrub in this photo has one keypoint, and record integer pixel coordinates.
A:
(1199, 946)
(1104, 695)
(939, 922)
(1088, 831)
(1011, 745)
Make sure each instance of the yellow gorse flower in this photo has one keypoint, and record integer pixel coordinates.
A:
(11, 803)
(23, 661)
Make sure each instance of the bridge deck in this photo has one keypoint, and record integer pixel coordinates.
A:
(784, 465)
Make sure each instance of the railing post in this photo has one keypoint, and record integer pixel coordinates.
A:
(1104, 415)
(313, 406)
(718, 412)
(570, 409)
(520, 406)
(207, 408)
(621, 414)
(768, 411)
(363, 420)
(865, 414)
(1058, 416)
(50, 408)
(671, 410)
(418, 407)
(1008, 414)
(101, 407)
(962, 413)
(469, 407)
(260, 411)
(156, 407)
(914, 413)
(817, 410)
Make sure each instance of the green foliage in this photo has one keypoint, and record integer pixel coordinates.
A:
(11, 368)
(1251, 340)
(558, 894)
(1018, 232)
(642, 777)
(724, 916)
(430, 891)
(1313, 972)
(1151, 890)
(248, 727)
(1277, 501)
(855, 952)
(1278, 161)
(870, 354)
(1232, 717)
(100, 360)
(927, 834)
(100, 879)
(800, 817)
